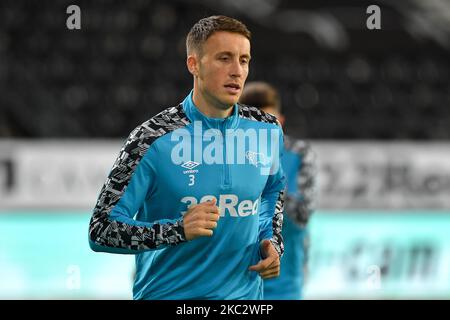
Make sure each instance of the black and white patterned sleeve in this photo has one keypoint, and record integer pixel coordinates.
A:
(112, 227)
(277, 225)
(300, 206)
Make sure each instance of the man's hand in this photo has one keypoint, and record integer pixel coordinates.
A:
(200, 220)
(269, 267)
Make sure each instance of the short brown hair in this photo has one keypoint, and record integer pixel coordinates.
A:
(260, 95)
(205, 27)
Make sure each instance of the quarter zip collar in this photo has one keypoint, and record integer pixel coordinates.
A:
(194, 114)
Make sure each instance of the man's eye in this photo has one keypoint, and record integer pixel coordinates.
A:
(244, 61)
(224, 58)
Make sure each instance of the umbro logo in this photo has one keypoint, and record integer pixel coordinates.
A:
(190, 165)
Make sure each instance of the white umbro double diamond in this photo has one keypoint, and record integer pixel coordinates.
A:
(190, 165)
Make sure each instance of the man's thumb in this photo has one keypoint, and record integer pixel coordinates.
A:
(266, 245)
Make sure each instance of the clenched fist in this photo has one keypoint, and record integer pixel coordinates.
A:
(269, 267)
(200, 220)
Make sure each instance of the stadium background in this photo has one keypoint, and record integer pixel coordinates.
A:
(374, 104)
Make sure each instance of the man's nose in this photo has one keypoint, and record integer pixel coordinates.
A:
(236, 69)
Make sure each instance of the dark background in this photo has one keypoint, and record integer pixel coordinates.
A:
(338, 79)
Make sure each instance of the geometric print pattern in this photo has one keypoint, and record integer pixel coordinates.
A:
(300, 208)
(106, 232)
(256, 114)
(277, 224)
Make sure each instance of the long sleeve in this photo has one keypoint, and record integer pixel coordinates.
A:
(272, 202)
(299, 203)
(112, 227)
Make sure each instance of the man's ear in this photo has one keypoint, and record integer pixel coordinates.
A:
(192, 64)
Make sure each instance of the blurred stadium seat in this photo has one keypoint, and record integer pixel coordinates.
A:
(128, 59)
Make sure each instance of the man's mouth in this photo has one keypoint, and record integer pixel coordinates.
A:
(233, 87)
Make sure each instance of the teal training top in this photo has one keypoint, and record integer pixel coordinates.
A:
(173, 161)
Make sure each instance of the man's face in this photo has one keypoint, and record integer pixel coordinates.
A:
(223, 68)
